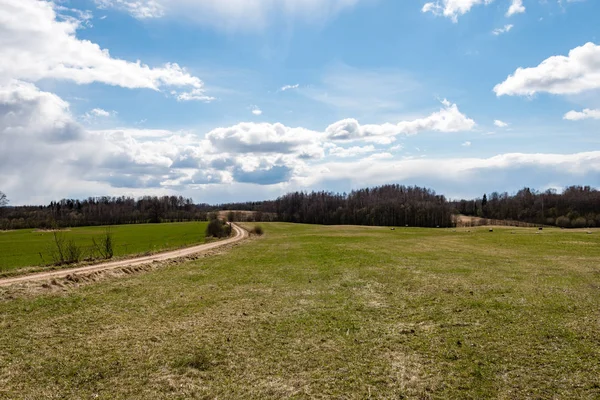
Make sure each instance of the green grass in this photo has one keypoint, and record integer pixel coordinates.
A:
(30, 247)
(324, 312)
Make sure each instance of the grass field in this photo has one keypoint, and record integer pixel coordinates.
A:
(30, 247)
(324, 312)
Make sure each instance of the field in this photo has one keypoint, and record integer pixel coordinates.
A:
(324, 312)
(30, 247)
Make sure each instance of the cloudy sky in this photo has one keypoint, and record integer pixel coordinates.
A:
(229, 100)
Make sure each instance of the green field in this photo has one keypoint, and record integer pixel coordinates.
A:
(324, 312)
(30, 247)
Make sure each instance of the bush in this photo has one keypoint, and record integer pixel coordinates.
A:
(218, 229)
(579, 223)
(563, 222)
(105, 246)
(257, 230)
(73, 252)
(65, 252)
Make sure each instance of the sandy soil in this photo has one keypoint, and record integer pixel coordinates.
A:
(240, 234)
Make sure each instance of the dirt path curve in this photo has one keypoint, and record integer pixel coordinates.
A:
(240, 234)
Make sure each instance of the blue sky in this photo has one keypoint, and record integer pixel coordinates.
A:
(228, 100)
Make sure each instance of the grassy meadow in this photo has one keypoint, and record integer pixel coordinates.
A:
(31, 247)
(324, 312)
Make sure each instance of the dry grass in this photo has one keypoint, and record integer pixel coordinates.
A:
(323, 312)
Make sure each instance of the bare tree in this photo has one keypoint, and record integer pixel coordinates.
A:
(3, 199)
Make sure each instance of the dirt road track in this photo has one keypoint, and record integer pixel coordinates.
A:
(240, 234)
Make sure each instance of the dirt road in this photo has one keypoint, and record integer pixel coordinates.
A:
(240, 234)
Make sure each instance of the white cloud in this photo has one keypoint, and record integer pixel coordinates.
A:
(231, 14)
(64, 160)
(500, 124)
(98, 112)
(516, 7)
(575, 73)
(41, 44)
(28, 114)
(194, 94)
(379, 156)
(509, 171)
(140, 9)
(452, 8)
(256, 111)
(350, 151)
(289, 87)
(500, 31)
(585, 114)
(448, 119)
(251, 137)
(466, 144)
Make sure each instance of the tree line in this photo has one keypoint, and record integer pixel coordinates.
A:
(102, 211)
(387, 205)
(574, 207)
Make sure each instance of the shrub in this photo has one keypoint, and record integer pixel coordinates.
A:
(73, 252)
(579, 223)
(227, 230)
(257, 230)
(563, 222)
(218, 229)
(105, 246)
(65, 252)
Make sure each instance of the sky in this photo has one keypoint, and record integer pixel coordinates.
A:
(240, 100)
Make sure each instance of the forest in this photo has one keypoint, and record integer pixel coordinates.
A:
(102, 211)
(575, 207)
(387, 205)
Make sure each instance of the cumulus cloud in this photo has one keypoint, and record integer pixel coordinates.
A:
(500, 31)
(500, 124)
(575, 73)
(516, 7)
(256, 111)
(448, 119)
(46, 46)
(447, 175)
(262, 138)
(452, 8)
(65, 159)
(585, 114)
(230, 14)
(99, 112)
(36, 124)
(26, 113)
